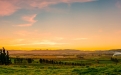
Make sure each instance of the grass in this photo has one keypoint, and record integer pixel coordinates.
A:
(35, 70)
(104, 67)
(48, 69)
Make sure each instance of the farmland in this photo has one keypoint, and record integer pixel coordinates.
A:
(86, 63)
(46, 69)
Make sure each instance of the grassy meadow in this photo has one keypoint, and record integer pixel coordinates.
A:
(45, 69)
(104, 66)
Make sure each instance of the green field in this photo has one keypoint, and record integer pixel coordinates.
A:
(83, 64)
(104, 67)
(44, 69)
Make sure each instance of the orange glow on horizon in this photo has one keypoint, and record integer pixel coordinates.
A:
(62, 48)
(60, 24)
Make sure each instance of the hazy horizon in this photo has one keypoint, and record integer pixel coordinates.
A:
(60, 24)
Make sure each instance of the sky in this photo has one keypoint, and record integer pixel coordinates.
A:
(60, 24)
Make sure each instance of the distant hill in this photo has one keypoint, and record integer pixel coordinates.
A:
(61, 52)
(46, 52)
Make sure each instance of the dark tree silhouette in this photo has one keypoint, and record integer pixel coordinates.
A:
(29, 60)
(4, 57)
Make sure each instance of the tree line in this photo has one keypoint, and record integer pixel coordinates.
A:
(4, 57)
(47, 61)
(114, 60)
(62, 63)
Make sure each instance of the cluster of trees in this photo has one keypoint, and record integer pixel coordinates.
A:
(62, 63)
(30, 60)
(21, 60)
(4, 57)
(114, 60)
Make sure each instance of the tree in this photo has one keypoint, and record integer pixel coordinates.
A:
(4, 57)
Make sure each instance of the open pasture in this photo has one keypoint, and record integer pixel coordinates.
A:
(102, 65)
(49, 69)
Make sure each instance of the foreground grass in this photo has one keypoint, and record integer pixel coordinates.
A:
(35, 70)
(45, 69)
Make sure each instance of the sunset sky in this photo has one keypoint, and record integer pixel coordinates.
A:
(60, 24)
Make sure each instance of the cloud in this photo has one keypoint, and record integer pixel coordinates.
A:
(72, 1)
(8, 7)
(45, 3)
(29, 19)
(25, 25)
(48, 42)
(43, 42)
